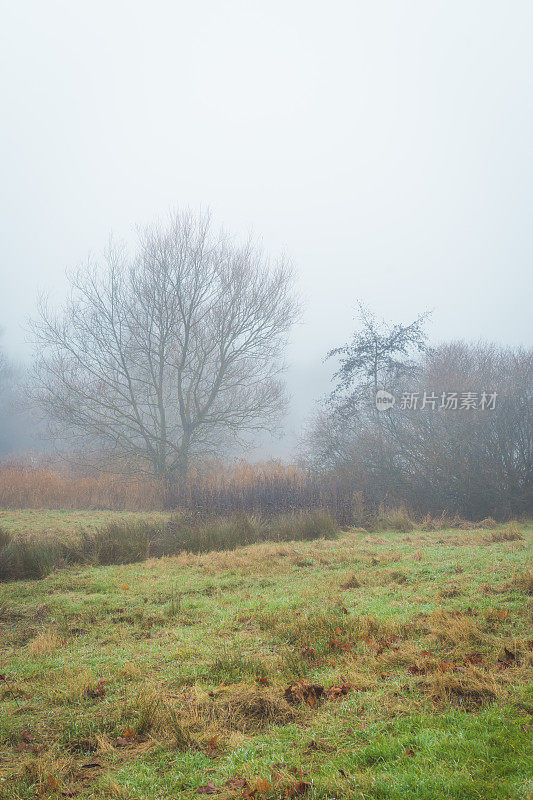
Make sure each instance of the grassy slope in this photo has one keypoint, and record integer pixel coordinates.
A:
(165, 633)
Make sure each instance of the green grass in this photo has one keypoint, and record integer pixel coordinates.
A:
(197, 651)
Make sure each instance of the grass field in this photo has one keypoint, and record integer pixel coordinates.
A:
(386, 665)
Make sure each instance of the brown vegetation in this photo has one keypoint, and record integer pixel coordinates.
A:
(265, 489)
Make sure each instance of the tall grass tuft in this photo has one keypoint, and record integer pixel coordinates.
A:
(122, 543)
(394, 519)
(302, 527)
(23, 559)
(185, 532)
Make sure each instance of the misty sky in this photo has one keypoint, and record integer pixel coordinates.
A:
(384, 146)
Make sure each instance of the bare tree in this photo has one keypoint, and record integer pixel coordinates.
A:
(169, 356)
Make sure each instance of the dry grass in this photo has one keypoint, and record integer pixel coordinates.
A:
(350, 582)
(392, 576)
(457, 632)
(45, 642)
(447, 521)
(469, 690)
(248, 710)
(196, 717)
(266, 489)
(523, 581)
(168, 674)
(511, 533)
(49, 772)
(447, 592)
(27, 487)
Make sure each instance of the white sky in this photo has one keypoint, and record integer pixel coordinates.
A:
(384, 146)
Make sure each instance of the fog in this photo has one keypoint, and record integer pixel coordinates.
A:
(384, 147)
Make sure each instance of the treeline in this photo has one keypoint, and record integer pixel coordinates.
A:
(458, 441)
(467, 449)
(445, 430)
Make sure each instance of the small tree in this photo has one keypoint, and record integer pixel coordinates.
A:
(378, 357)
(168, 356)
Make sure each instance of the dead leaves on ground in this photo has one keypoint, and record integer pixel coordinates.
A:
(337, 692)
(303, 692)
(435, 664)
(255, 789)
(338, 642)
(126, 738)
(508, 658)
(431, 663)
(29, 743)
(312, 693)
(212, 749)
(208, 788)
(382, 644)
(99, 690)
